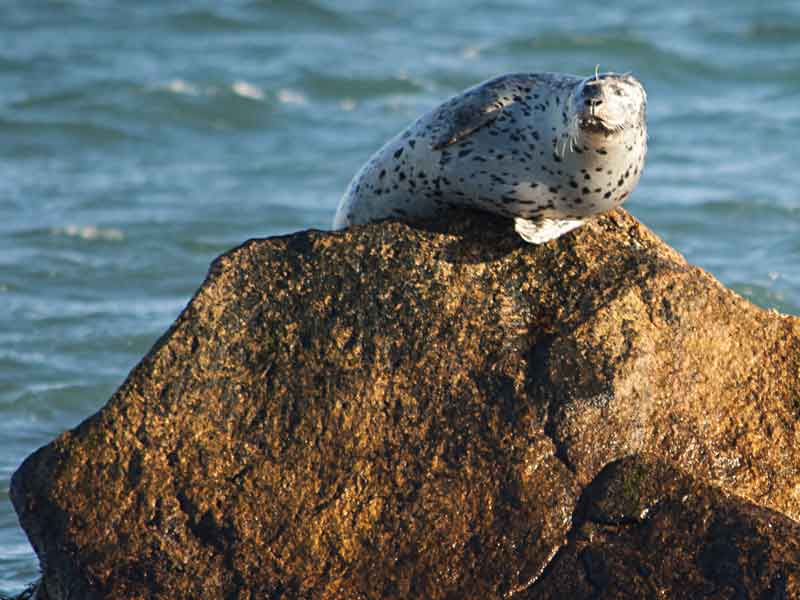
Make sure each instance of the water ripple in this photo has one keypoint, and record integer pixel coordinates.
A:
(302, 12)
(207, 21)
(81, 132)
(622, 49)
(325, 84)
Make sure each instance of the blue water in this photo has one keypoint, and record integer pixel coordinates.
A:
(140, 140)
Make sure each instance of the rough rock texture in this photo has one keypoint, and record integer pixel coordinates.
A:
(643, 530)
(440, 412)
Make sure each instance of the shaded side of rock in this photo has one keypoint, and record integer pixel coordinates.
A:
(648, 531)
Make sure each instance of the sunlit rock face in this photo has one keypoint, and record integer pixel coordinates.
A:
(438, 411)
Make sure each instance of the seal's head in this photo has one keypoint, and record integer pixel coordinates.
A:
(608, 103)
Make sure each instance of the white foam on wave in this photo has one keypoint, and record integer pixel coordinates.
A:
(181, 86)
(247, 90)
(90, 232)
(287, 96)
(347, 104)
(471, 52)
(240, 87)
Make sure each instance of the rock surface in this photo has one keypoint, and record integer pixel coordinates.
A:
(644, 530)
(438, 412)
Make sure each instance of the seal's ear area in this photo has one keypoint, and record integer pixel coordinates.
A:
(630, 79)
(463, 115)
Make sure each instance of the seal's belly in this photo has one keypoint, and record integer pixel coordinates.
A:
(534, 183)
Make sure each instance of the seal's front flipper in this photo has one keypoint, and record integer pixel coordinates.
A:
(544, 230)
(478, 106)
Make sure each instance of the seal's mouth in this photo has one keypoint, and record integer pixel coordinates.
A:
(594, 124)
(589, 123)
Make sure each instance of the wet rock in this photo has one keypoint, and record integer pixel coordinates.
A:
(682, 539)
(400, 411)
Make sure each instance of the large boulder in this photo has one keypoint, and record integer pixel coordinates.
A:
(438, 411)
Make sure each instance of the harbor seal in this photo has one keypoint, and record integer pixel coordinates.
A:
(547, 149)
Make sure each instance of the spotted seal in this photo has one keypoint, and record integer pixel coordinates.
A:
(547, 149)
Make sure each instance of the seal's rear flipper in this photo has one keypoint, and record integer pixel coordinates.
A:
(544, 230)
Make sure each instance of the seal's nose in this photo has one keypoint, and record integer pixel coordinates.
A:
(592, 95)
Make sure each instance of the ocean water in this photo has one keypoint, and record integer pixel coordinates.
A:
(138, 141)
